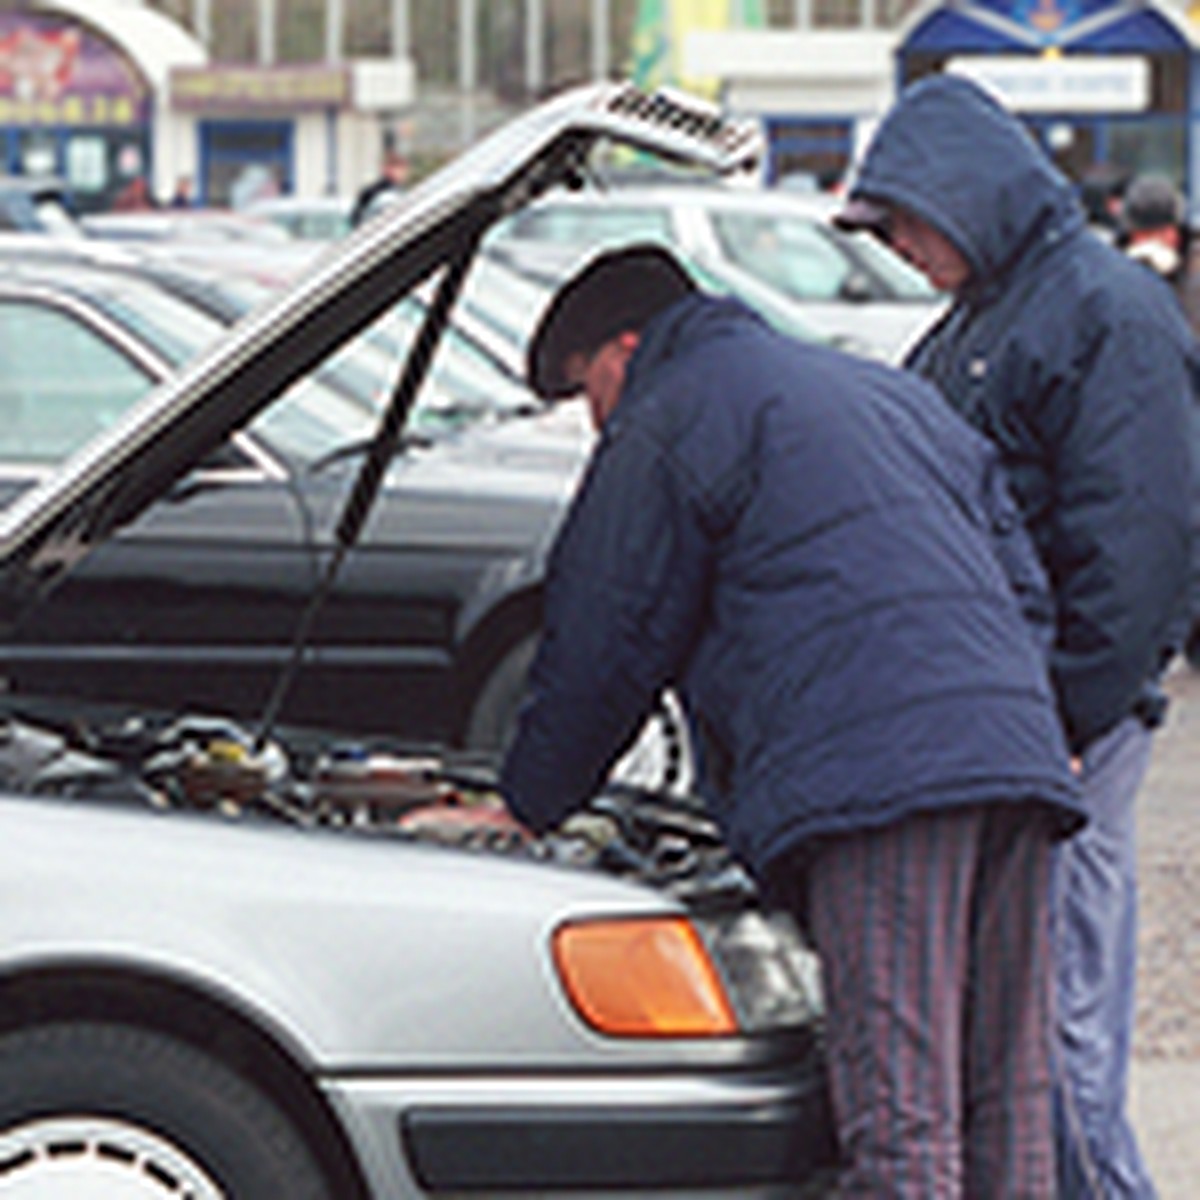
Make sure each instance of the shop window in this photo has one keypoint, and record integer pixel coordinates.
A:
(245, 161)
(807, 154)
(1149, 147)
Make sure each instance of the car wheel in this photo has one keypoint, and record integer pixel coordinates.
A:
(493, 719)
(660, 760)
(101, 1110)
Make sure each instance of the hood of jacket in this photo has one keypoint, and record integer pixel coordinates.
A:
(952, 155)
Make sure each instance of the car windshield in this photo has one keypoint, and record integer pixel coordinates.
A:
(808, 260)
(308, 422)
(466, 381)
(590, 223)
(505, 301)
(796, 255)
(340, 403)
(174, 329)
(907, 283)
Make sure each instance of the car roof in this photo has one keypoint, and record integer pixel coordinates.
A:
(35, 185)
(436, 225)
(714, 194)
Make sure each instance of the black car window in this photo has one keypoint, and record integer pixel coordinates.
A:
(61, 383)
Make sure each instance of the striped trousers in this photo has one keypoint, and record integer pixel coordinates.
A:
(934, 937)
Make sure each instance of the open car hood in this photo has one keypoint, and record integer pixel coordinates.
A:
(112, 479)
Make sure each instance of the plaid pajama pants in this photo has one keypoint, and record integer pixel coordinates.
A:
(934, 936)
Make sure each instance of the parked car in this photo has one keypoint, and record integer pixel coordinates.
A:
(433, 622)
(36, 204)
(511, 284)
(231, 970)
(307, 218)
(761, 243)
(206, 225)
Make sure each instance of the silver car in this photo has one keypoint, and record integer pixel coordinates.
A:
(778, 250)
(236, 967)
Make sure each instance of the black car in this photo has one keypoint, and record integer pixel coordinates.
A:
(196, 606)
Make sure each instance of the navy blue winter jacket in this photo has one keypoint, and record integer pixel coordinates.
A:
(1078, 364)
(807, 546)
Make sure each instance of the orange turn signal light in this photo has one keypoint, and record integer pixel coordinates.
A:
(643, 977)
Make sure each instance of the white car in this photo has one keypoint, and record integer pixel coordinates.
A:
(767, 246)
(237, 968)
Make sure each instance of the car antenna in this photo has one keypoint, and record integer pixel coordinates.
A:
(371, 474)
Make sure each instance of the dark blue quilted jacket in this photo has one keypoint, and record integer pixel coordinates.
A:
(1078, 364)
(806, 546)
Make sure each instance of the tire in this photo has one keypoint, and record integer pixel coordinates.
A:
(94, 1110)
(494, 717)
(660, 759)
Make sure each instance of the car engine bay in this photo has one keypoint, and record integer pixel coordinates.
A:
(214, 765)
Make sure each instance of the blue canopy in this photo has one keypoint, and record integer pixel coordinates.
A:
(1013, 26)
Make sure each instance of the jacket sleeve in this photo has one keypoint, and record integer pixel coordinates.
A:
(625, 592)
(1119, 552)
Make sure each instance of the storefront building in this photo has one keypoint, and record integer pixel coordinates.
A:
(308, 129)
(81, 100)
(121, 103)
(1099, 83)
(815, 91)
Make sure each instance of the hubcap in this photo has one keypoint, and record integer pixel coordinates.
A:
(97, 1158)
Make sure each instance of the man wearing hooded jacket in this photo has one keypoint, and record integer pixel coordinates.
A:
(826, 564)
(1077, 364)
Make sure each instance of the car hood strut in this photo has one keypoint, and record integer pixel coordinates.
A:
(373, 469)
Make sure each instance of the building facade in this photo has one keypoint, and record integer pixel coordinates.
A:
(121, 102)
(1111, 84)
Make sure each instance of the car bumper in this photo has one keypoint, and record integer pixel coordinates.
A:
(687, 1136)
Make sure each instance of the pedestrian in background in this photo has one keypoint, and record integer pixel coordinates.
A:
(392, 181)
(1079, 367)
(825, 562)
(1154, 231)
(1100, 193)
(134, 196)
(182, 196)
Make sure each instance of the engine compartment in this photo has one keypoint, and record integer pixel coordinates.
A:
(214, 765)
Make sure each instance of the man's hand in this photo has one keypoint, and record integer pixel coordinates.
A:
(478, 825)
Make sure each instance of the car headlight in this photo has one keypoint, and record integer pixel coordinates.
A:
(687, 977)
(773, 979)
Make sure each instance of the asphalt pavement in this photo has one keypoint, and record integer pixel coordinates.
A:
(1165, 1086)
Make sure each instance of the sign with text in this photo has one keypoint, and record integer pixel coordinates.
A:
(55, 74)
(258, 90)
(1061, 84)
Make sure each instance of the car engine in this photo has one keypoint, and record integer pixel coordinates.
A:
(208, 764)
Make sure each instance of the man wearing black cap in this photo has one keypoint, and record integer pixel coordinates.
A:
(1077, 364)
(823, 560)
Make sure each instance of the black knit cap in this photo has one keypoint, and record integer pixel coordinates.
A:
(1151, 202)
(617, 291)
